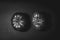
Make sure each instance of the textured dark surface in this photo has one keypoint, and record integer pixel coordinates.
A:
(7, 9)
(26, 18)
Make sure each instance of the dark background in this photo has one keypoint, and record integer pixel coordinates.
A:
(8, 8)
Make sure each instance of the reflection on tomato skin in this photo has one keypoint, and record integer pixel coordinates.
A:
(47, 21)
